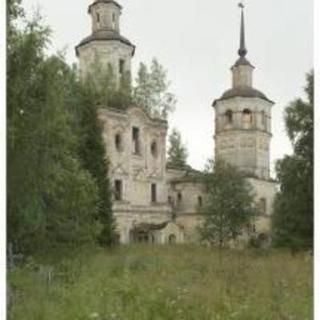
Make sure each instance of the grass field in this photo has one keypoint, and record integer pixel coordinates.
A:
(157, 283)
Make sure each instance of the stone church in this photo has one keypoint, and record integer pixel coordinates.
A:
(152, 201)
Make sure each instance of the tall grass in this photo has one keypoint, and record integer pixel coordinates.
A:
(164, 283)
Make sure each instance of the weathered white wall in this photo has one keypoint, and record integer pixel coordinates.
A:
(137, 172)
(244, 146)
(100, 54)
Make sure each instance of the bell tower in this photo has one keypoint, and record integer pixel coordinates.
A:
(243, 119)
(105, 48)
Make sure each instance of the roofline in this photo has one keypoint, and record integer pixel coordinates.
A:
(115, 39)
(125, 111)
(222, 99)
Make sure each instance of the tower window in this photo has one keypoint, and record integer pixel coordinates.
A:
(229, 117)
(113, 17)
(153, 193)
(247, 118)
(136, 140)
(118, 142)
(118, 190)
(121, 66)
(98, 17)
(179, 198)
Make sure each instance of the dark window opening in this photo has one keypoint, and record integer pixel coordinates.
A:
(114, 17)
(118, 190)
(263, 206)
(247, 116)
(118, 142)
(179, 197)
(98, 17)
(229, 117)
(121, 66)
(172, 239)
(154, 193)
(200, 201)
(154, 149)
(136, 140)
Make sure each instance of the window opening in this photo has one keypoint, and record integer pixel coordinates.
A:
(121, 66)
(136, 140)
(200, 201)
(118, 190)
(172, 239)
(118, 142)
(247, 117)
(263, 206)
(153, 193)
(229, 117)
(154, 149)
(263, 119)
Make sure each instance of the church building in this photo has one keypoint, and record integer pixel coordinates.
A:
(154, 202)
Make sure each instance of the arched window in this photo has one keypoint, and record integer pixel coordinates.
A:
(179, 198)
(118, 142)
(154, 149)
(247, 118)
(228, 117)
(98, 17)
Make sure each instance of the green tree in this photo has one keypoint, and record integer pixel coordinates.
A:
(293, 208)
(51, 199)
(94, 158)
(105, 89)
(177, 152)
(229, 206)
(151, 90)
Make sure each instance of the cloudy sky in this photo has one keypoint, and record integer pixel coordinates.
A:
(197, 42)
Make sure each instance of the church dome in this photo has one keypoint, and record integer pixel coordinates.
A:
(245, 92)
(105, 35)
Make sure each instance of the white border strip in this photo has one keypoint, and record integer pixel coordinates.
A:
(3, 159)
(317, 159)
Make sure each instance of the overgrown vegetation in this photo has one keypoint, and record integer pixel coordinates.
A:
(293, 209)
(177, 151)
(151, 90)
(165, 283)
(229, 207)
(58, 193)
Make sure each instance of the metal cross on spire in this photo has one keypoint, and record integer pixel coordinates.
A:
(242, 50)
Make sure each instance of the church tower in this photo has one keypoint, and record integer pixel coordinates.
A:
(243, 119)
(105, 47)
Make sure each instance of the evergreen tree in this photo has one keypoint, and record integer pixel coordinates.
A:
(177, 152)
(151, 91)
(229, 206)
(94, 159)
(293, 208)
(51, 199)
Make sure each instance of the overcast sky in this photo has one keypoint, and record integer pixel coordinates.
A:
(197, 42)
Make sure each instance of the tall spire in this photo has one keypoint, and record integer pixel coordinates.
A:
(242, 50)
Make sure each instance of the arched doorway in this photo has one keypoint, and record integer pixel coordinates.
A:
(172, 239)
